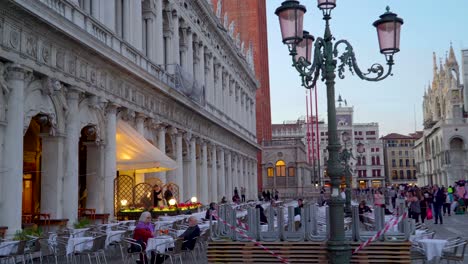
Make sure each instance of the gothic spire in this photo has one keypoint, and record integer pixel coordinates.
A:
(452, 61)
(434, 60)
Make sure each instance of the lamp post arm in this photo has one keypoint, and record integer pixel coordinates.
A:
(310, 72)
(348, 58)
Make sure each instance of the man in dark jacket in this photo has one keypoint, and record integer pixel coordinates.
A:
(439, 200)
(190, 234)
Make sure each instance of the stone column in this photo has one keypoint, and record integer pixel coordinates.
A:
(137, 25)
(162, 147)
(107, 13)
(201, 66)
(52, 172)
(95, 10)
(235, 174)
(189, 55)
(158, 43)
(193, 168)
(241, 173)
(179, 172)
(222, 175)
(219, 87)
(214, 175)
(70, 181)
(229, 187)
(127, 25)
(175, 42)
(203, 191)
(12, 178)
(140, 127)
(110, 159)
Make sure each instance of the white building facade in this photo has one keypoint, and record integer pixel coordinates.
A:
(441, 154)
(71, 69)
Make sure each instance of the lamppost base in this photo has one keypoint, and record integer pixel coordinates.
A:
(339, 252)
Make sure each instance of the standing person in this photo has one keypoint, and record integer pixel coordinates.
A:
(415, 207)
(156, 195)
(243, 194)
(423, 206)
(378, 199)
(276, 195)
(393, 196)
(439, 200)
(236, 192)
(268, 195)
(168, 195)
(447, 203)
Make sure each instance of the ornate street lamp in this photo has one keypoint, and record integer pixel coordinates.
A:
(325, 61)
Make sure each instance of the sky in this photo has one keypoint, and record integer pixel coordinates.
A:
(396, 102)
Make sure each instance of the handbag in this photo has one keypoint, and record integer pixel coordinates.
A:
(429, 214)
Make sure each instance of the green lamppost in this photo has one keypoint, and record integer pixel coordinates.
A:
(346, 155)
(325, 62)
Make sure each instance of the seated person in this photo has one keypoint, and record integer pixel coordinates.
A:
(209, 212)
(363, 208)
(297, 210)
(143, 231)
(192, 232)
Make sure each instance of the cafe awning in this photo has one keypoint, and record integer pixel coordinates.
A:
(136, 153)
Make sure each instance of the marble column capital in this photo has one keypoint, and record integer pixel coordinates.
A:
(17, 72)
(139, 117)
(111, 108)
(73, 93)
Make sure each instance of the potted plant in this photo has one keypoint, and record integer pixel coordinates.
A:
(82, 223)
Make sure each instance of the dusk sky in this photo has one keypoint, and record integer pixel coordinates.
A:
(396, 102)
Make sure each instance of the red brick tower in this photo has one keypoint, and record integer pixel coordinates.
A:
(251, 23)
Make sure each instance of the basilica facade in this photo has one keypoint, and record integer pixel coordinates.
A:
(441, 154)
(72, 70)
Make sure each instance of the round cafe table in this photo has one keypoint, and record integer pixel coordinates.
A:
(432, 247)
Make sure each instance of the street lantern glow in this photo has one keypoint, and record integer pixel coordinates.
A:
(124, 202)
(193, 199)
(388, 31)
(172, 202)
(291, 18)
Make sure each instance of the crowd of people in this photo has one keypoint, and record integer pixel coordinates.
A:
(423, 203)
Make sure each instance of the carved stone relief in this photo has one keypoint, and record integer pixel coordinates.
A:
(60, 59)
(31, 45)
(45, 53)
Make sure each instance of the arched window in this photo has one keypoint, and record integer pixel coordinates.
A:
(291, 171)
(402, 175)
(378, 160)
(280, 168)
(394, 175)
(270, 172)
(408, 174)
